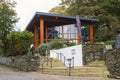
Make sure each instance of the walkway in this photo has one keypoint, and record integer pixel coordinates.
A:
(9, 74)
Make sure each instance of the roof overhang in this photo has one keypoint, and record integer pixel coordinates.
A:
(52, 20)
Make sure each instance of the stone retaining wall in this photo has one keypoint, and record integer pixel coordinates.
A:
(113, 62)
(24, 63)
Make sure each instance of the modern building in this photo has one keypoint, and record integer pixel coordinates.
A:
(48, 27)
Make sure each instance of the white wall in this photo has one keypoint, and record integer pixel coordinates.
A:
(69, 52)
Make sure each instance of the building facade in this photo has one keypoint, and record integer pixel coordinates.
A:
(48, 27)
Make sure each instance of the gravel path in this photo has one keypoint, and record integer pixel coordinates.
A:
(9, 74)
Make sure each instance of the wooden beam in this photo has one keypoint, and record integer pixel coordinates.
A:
(36, 36)
(61, 20)
(91, 33)
(65, 39)
(41, 31)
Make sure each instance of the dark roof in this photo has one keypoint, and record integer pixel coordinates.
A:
(64, 16)
(38, 15)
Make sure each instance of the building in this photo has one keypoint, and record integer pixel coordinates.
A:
(47, 27)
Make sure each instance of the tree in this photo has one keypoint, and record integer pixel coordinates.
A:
(7, 20)
(58, 10)
(107, 11)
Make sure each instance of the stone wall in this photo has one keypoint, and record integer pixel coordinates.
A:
(93, 52)
(113, 62)
(21, 63)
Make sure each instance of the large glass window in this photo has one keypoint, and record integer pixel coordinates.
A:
(69, 31)
(85, 33)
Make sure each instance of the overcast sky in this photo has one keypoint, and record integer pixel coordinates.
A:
(27, 8)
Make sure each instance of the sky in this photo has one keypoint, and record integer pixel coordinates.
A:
(26, 9)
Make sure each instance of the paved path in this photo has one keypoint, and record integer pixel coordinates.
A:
(8, 74)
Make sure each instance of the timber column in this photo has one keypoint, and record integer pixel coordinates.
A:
(36, 36)
(91, 33)
(41, 31)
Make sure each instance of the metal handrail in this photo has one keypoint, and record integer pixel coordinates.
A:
(45, 62)
(64, 58)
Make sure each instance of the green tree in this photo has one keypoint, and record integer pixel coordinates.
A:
(7, 20)
(58, 10)
(107, 11)
(18, 43)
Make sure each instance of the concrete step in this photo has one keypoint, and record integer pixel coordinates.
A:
(96, 64)
(81, 71)
(55, 62)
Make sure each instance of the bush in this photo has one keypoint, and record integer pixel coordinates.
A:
(42, 49)
(56, 45)
(52, 45)
(69, 43)
(112, 42)
(1, 50)
(113, 62)
(18, 43)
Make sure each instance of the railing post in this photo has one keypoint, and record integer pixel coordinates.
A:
(42, 67)
(73, 61)
(69, 66)
(51, 62)
(59, 56)
(64, 60)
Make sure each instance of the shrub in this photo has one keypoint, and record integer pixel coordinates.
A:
(52, 45)
(18, 43)
(69, 43)
(42, 49)
(112, 42)
(56, 45)
(1, 50)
